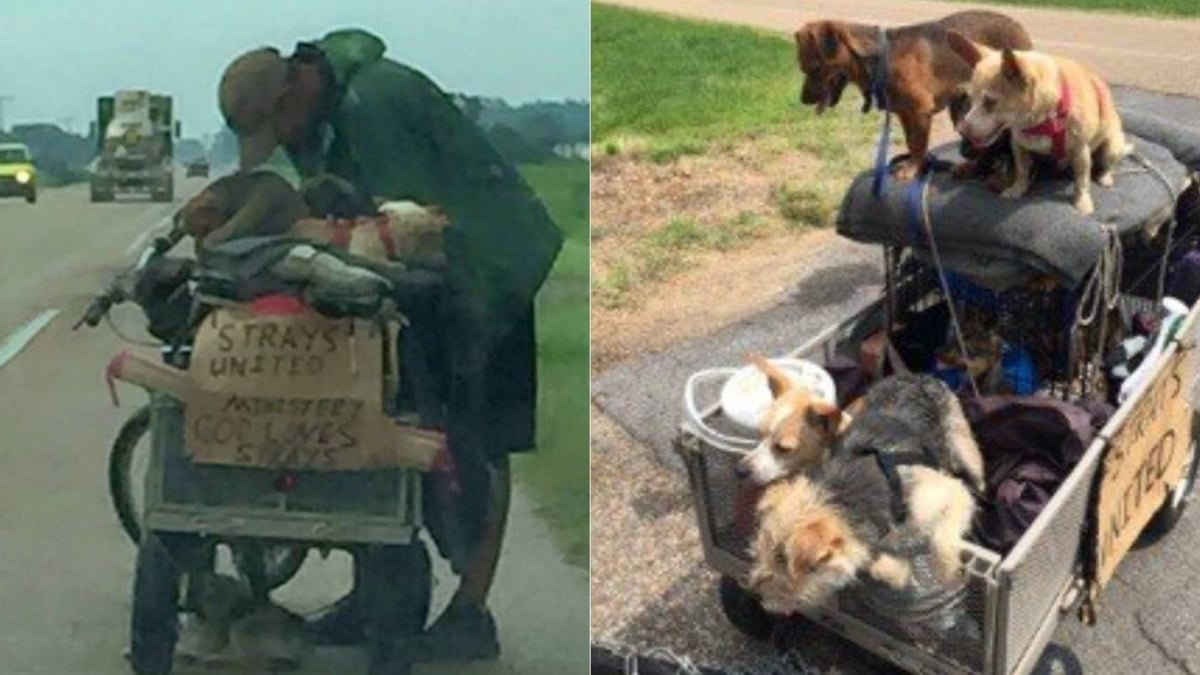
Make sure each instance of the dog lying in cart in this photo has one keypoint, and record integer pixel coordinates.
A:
(1069, 341)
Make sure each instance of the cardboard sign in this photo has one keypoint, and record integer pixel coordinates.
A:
(297, 391)
(1146, 457)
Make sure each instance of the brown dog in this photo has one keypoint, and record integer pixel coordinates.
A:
(924, 75)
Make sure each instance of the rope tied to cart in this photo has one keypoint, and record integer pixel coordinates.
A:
(918, 216)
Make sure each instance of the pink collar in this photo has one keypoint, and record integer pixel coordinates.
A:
(1055, 126)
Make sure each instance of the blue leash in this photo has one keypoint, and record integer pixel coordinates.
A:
(879, 92)
(912, 203)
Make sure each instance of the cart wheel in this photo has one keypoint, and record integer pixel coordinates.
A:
(1171, 511)
(154, 627)
(280, 562)
(744, 610)
(396, 587)
(120, 468)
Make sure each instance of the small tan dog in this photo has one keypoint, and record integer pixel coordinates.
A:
(1052, 105)
(326, 210)
(797, 429)
(906, 466)
(403, 231)
(229, 629)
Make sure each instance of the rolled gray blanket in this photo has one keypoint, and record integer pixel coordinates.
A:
(999, 242)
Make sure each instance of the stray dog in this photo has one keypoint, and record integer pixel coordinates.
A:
(923, 74)
(326, 210)
(797, 429)
(231, 626)
(1051, 105)
(983, 361)
(908, 463)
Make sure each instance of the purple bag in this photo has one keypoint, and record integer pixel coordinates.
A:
(1029, 446)
(1183, 283)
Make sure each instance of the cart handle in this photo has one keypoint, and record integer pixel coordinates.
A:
(696, 419)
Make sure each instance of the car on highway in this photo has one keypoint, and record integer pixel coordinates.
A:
(198, 167)
(18, 176)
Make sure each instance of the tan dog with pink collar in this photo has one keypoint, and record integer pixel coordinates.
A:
(1052, 105)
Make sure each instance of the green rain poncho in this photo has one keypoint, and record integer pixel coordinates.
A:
(394, 133)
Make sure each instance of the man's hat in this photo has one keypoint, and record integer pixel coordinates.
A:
(250, 89)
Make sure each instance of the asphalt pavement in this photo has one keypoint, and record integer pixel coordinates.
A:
(65, 565)
(650, 586)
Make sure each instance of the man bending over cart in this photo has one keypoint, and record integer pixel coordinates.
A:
(337, 106)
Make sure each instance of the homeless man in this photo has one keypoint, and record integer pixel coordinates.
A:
(392, 133)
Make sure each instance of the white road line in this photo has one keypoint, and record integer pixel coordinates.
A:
(141, 240)
(15, 342)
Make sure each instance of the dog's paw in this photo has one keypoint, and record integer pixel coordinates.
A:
(1013, 192)
(996, 182)
(892, 571)
(1105, 179)
(1083, 204)
(948, 566)
(907, 171)
(963, 170)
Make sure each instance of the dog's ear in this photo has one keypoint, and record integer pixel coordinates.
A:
(843, 36)
(814, 545)
(806, 39)
(1011, 66)
(967, 49)
(777, 380)
(824, 417)
(825, 37)
(810, 41)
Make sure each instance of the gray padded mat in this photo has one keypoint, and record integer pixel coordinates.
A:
(999, 242)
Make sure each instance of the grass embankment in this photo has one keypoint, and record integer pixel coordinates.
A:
(1171, 8)
(557, 473)
(665, 88)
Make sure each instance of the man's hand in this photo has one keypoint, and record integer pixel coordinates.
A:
(201, 215)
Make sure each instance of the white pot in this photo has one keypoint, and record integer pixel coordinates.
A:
(746, 394)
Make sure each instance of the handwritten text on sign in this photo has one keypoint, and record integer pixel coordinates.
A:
(299, 391)
(1145, 459)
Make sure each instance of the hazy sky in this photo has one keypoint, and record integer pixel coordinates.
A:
(58, 55)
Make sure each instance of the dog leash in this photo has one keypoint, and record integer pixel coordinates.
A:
(917, 200)
(879, 92)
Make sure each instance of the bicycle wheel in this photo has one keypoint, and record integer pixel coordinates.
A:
(123, 475)
(127, 465)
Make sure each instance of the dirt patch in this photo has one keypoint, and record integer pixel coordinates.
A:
(697, 302)
(631, 196)
(670, 240)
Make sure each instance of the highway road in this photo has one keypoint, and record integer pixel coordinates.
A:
(65, 565)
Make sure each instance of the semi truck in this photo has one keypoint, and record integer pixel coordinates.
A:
(135, 134)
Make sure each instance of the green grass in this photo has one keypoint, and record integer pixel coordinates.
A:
(557, 473)
(666, 87)
(663, 252)
(807, 205)
(562, 185)
(1186, 8)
